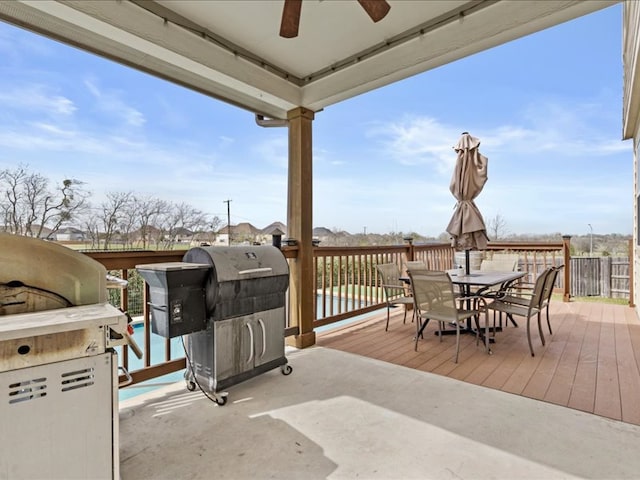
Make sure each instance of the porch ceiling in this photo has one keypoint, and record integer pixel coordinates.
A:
(231, 49)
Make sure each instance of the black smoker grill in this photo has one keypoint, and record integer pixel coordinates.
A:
(230, 304)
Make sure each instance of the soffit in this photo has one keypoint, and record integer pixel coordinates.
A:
(231, 49)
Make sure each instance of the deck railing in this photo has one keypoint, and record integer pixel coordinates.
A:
(346, 284)
(122, 264)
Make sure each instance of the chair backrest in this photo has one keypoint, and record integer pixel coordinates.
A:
(499, 265)
(506, 257)
(550, 283)
(416, 264)
(389, 273)
(390, 277)
(538, 297)
(433, 293)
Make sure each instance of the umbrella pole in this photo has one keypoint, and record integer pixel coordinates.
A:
(467, 269)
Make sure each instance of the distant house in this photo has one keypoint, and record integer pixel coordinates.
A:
(324, 235)
(47, 234)
(183, 235)
(268, 232)
(67, 234)
(241, 233)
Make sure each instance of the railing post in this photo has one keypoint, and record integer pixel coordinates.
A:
(124, 305)
(411, 250)
(632, 262)
(566, 255)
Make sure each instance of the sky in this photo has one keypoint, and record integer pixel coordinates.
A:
(547, 109)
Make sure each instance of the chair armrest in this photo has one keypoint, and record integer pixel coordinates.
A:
(520, 292)
(479, 298)
(402, 288)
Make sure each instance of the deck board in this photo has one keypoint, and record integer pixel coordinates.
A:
(629, 376)
(590, 363)
(559, 389)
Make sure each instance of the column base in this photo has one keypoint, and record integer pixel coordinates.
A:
(302, 341)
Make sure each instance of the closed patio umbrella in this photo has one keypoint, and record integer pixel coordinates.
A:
(467, 228)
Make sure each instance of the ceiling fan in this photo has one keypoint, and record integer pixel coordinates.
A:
(376, 9)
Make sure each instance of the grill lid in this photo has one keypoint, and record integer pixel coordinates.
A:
(41, 275)
(243, 279)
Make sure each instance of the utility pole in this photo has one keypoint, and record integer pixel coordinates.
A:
(590, 240)
(228, 202)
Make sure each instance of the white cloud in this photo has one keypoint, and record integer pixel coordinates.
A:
(273, 150)
(36, 98)
(417, 141)
(109, 102)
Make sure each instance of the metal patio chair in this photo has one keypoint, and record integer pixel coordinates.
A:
(520, 294)
(395, 293)
(524, 303)
(499, 263)
(434, 299)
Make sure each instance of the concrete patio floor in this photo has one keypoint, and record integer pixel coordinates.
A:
(340, 415)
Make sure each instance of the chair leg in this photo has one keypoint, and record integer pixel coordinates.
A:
(486, 330)
(457, 340)
(476, 320)
(386, 329)
(404, 320)
(529, 336)
(420, 326)
(548, 322)
(540, 327)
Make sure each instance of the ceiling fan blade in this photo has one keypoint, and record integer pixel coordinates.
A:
(290, 18)
(376, 9)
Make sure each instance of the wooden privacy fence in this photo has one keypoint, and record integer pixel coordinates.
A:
(600, 277)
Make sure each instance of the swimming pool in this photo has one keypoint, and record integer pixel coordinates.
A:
(157, 355)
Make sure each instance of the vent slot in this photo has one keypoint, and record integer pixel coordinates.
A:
(27, 390)
(77, 379)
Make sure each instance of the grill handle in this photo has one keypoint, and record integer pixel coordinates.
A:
(250, 359)
(255, 270)
(129, 379)
(264, 337)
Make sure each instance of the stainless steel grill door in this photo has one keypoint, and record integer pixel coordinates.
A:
(61, 420)
(244, 343)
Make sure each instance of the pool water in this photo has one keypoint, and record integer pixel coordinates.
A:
(157, 355)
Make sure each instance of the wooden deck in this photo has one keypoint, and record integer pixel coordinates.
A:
(590, 363)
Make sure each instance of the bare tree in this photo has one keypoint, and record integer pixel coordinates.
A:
(91, 226)
(149, 213)
(111, 214)
(497, 227)
(12, 186)
(180, 218)
(128, 221)
(214, 224)
(28, 204)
